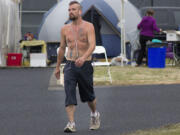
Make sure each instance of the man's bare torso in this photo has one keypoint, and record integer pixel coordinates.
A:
(76, 40)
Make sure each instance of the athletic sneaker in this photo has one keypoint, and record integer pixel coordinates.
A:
(95, 122)
(70, 128)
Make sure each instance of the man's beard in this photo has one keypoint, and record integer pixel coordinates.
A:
(73, 18)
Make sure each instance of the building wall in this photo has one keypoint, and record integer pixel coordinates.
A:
(172, 3)
(143, 3)
(32, 14)
(38, 4)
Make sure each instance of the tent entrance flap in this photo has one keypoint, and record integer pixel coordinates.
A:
(105, 31)
(92, 16)
(106, 34)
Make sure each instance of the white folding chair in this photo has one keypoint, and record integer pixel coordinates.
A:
(65, 54)
(61, 80)
(101, 50)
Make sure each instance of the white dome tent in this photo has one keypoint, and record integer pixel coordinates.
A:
(106, 14)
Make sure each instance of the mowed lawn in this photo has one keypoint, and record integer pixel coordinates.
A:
(129, 75)
(165, 130)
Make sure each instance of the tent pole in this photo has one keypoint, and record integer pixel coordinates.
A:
(21, 4)
(124, 32)
(122, 27)
(123, 40)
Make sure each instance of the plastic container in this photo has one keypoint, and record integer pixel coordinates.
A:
(156, 57)
(14, 59)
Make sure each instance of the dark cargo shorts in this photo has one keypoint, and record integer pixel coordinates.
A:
(81, 76)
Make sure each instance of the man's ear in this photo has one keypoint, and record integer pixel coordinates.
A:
(80, 12)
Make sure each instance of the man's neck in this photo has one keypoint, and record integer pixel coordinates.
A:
(77, 22)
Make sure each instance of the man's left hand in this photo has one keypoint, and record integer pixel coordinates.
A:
(80, 61)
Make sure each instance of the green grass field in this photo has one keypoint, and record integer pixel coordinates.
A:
(165, 130)
(128, 75)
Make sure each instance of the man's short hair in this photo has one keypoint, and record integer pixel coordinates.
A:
(75, 2)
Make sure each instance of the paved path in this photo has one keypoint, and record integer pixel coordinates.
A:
(27, 107)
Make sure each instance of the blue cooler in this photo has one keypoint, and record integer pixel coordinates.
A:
(157, 55)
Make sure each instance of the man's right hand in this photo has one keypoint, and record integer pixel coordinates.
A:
(57, 73)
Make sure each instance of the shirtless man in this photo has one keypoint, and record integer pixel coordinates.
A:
(79, 37)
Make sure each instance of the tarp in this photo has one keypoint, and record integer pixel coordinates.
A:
(34, 43)
(26, 46)
(109, 12)
(9, 27)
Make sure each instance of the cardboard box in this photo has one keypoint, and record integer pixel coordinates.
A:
(173, 35)
(38, 60)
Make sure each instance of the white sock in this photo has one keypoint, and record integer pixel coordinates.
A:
(94, 114)
(72, 123)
